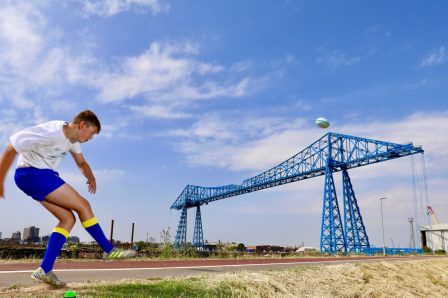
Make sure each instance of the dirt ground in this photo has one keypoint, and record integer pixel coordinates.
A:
(404, 278)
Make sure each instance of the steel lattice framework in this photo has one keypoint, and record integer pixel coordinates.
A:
(331, 153)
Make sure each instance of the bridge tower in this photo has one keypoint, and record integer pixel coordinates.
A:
(181, 234)
(198, 236)
(332, 238)
(355, 231)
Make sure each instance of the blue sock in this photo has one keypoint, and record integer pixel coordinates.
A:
(93, 227)
(55, 243)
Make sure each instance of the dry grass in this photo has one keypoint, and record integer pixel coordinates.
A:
(413, 278)
(428, 278)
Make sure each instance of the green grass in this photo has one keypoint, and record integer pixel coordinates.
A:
(166, 288)
(231, 285)
(196, 286)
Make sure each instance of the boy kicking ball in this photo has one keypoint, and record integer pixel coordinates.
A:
(41, 149)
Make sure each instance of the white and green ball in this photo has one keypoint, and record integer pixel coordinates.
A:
(322, 122)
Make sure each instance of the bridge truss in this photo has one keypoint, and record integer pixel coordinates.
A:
(331, 153)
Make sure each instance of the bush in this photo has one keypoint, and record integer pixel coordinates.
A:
(426, 250)
(167, 251)
(189, 252)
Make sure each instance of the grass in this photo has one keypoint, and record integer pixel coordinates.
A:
(407, 278)
(229, 285)
(166, 288)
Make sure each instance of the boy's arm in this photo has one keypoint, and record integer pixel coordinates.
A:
(85, 170)
(5, 163)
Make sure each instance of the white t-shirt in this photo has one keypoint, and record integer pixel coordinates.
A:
(43, 146)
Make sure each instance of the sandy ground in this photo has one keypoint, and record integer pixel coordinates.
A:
(407, 278)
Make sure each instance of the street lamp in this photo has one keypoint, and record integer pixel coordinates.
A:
(382, 224)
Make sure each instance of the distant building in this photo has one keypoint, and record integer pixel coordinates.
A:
(31, 234)
(210, 247)
(251, 248)
(70, 239)
(0, 235)
(16, 236)
(263, 249)
(435, 236)
(73, 239)
(307, 249)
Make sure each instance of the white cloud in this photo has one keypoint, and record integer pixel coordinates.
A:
(303, 105)
(336, 58)
(19, 35)
(34, 68)
(288, 59)
(240, 144)
(152, 72)
(100, 174)
(423, 129)
(107, 8)
(59, 68)
(167, 76)
(254, 145)
(38, 68)
(205, 68)
(120, 129)
(435, 58)
(159, 112)
(242, 66)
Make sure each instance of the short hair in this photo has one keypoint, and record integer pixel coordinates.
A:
(89, 117)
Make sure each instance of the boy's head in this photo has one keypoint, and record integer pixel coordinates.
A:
(89, 118)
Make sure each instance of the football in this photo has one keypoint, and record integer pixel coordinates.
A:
(322, 122)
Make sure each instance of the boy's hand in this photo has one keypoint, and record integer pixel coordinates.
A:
(91, 185)
(6, 160)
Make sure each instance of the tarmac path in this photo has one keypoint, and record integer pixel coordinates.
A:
(14, 274)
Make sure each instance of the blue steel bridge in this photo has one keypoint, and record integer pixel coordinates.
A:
(331, 153)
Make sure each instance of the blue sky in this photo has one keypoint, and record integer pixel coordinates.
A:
(213, 92)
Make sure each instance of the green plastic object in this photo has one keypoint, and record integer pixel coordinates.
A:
(69, 294)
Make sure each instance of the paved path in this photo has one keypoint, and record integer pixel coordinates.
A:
(19, 273)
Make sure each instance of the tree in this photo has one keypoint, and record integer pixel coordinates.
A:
(240, 247)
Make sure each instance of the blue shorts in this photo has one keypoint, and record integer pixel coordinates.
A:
(37, 183)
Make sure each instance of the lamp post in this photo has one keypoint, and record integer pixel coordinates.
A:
(382, 224)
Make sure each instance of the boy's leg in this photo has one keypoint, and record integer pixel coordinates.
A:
(59, 235)
(93, 227)
(68, 198)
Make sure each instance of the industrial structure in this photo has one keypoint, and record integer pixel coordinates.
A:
(411, 232)
(435, 237)
(331, 153)
(435, 234)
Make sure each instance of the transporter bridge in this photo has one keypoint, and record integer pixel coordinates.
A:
(331, 153)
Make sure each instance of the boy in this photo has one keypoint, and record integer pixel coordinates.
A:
(41, 149)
